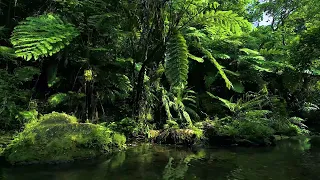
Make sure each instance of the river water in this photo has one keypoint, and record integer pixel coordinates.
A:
(297, 159)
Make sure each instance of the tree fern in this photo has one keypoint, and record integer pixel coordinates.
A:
(41, 36)
(176, 61)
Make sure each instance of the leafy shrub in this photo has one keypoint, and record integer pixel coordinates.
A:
(57, 99)
(241, 131)
(58, 137)
(13, 100)
(129, 127)
(290, 127)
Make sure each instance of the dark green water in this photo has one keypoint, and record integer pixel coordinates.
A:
(289, 160)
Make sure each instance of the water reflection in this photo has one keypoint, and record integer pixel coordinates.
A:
(291, 159)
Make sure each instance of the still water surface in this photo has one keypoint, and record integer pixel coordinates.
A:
(290, 160)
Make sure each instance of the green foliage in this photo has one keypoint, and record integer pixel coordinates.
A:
(7, 52)
(131, 62)
(129, 128)
(14, 99)
(40, 36)
(219, 67)
(57, 99)
(58, 137)
(28, 116)
(171, 125)
(225, 21)
(26, 73)
(183, 103)
(176, 63)
(57, 118)
(195, 58)
(292, 126)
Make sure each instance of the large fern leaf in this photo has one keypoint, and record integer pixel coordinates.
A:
(176, 61)
(218, 66)
(230, 105)
(41, 36)
(227, 21)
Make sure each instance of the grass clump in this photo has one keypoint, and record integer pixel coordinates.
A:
(59, 137)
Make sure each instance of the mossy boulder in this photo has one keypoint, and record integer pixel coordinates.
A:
(176, 136)
(238, 134)
(58, 137)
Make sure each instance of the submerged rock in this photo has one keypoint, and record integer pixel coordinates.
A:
(58, 137)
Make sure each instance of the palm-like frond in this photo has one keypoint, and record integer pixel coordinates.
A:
(218, 66)
(231, 106)
(228, 21)
(259, 62)
(39, 36)
(195, 58)
(176, 61)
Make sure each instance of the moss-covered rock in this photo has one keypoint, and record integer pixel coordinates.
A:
(58, 137)
(176, 136)
(242, 134)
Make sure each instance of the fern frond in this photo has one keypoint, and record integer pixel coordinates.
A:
(308, 107)
(231, 106)
(249, 51)
(176, 61)
(238, 87)
(187, 118)
(257, 113)
(166, 104)
(265, 52)
(231, 72)
(229, 21)
(192, 112)
(253, 103)
(218, 66)
(195, 58)
(261, 64)
(7, 52)
(40, 36)
(221, 56)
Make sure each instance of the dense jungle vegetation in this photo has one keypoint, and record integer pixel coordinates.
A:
(173, 71)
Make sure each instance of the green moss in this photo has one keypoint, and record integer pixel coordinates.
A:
(154, 134)
(58, 137)
(238, 132)
(60, 118)
(177, 136)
